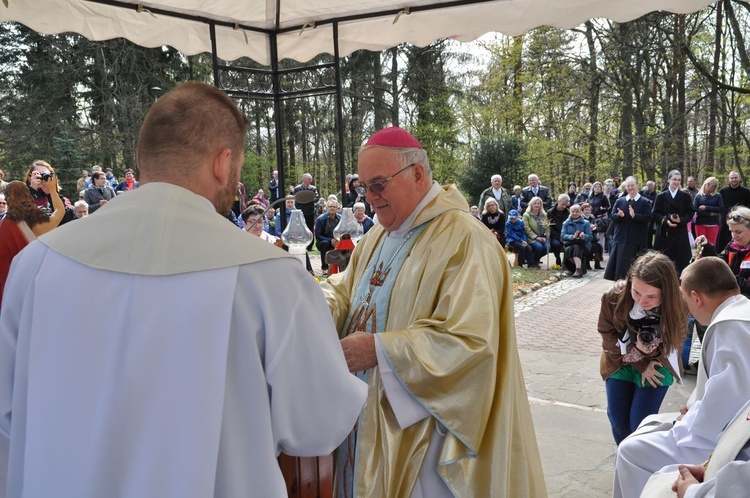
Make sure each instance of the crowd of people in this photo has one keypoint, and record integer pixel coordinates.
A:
(623, 220)
(419, 326)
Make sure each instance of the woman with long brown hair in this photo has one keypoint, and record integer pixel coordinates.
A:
(642, 321)
(24, 222)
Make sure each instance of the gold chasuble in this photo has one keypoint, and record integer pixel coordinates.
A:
(449, 336)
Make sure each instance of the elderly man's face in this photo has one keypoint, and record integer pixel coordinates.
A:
(3, 204)
(82, 211)
(691, 182)
(332, 209)
(306, 181)
(533, 181)
(400, 196)
(497, 182)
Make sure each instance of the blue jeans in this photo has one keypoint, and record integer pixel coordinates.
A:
(539, 250)
(556, 248)
(628, 405)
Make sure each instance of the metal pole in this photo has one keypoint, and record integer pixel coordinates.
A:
(339, 112)
(214, 57)
(278, 121)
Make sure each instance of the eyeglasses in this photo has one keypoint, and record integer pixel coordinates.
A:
(736, 217)
(379, 187)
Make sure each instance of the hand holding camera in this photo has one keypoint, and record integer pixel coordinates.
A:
(674, 220)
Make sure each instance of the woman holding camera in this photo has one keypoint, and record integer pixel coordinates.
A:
(642, 321)
(24, 222)
(673, 210)
(38, 181)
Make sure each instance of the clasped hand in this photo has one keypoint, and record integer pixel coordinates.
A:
(359, 351)
(652, 375)
(689, 475)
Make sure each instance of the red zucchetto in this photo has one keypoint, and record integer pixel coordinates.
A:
(394, 137)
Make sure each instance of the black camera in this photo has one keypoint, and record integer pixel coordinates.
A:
(46, 176)
(674, 217)
(648, 334)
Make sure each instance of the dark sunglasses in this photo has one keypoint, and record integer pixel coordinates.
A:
(736, 217)
(379, 187)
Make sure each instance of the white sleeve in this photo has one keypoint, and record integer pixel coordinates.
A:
(407, 409)
(732, 480)
(315, 401)
(726, 388)
(19, 284)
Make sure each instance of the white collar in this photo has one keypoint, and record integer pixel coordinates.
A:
(402, 230)
(723, 305)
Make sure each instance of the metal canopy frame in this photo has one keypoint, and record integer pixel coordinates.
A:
(222, 72)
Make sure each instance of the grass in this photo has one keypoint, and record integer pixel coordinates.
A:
(524, 278)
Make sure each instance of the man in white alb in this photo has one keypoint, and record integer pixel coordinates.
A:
(711, 292)
(199, 375)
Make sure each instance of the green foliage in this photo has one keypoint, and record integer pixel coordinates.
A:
(501, 155)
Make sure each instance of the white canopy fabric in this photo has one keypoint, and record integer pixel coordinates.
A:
(305, 27)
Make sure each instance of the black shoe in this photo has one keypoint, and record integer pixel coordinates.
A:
(568, 273)
(597, 266)
(578, 273)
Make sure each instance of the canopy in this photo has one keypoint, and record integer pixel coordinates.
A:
(302, 29)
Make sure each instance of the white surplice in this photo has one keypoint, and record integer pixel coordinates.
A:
(169, 368)
(726, 357)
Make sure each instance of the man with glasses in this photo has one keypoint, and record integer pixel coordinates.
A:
(733, 195)
(3, 206)
(425, 312)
